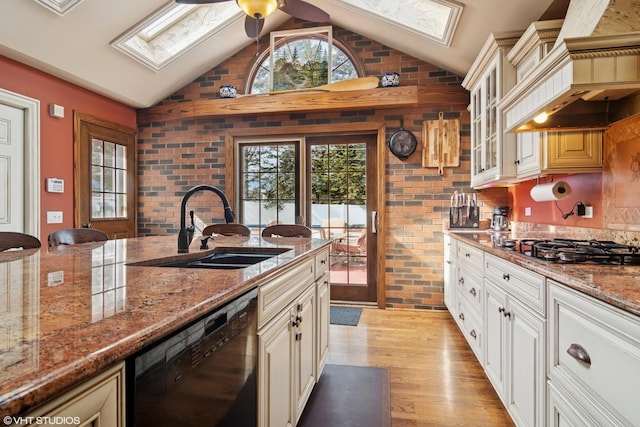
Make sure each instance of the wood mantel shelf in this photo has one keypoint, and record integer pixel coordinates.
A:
(379, 98)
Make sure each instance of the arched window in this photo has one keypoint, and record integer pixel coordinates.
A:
(344, 67)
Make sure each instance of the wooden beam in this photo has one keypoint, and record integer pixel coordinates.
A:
(401, 96)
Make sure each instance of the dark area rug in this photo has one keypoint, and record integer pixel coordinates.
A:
(345, 315)
(349, 396)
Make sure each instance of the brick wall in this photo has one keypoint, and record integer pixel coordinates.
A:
(175, 155)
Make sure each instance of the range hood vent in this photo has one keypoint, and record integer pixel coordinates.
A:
(583, 83)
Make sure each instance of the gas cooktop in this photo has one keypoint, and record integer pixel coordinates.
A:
(576, 251)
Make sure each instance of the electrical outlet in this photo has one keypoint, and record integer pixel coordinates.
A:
(527, 211)
(54, 217)
(588, 211)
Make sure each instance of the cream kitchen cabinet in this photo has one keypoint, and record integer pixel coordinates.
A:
(98, 402)
(540, 153)
(594, 361)
(515, 338)
(323, 301)
(293, 325)
(449, 276)
(468, 286)
(491, 76)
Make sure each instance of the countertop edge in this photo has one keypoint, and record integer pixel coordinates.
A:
(565, 274)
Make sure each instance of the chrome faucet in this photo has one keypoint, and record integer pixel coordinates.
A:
(186, 233)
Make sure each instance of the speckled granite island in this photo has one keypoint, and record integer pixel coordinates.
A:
(69, 313)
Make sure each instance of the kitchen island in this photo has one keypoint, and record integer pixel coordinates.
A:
(73, 312)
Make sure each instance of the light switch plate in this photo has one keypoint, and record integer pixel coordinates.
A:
(54, 217)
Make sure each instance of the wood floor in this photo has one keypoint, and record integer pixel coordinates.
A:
(435, 378)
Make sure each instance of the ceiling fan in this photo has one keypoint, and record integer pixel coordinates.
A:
(258, 10)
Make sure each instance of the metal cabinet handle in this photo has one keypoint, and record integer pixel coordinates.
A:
(473, 333)
(461, 280)
(472, 291)
(504, 312)
(506, 276)
(299, 336)
(461, 316)
(579, 353)
(467, 255)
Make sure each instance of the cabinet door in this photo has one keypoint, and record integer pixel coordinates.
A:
(275, 345)
(527, 154)
(527, 372)
(304, 360)
(573, 151)
(99, 402)
(495, 307)
(322, 321)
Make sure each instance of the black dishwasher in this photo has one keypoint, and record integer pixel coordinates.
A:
(202, 375)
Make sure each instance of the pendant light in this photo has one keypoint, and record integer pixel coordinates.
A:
(258, 9)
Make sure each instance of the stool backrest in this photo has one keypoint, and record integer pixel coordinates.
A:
(73, 236)
(286, 230)
(12, 240)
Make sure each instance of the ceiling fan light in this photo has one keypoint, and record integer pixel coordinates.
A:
(258, 9)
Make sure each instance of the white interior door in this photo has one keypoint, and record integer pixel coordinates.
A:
(20, 163)
(11, 169)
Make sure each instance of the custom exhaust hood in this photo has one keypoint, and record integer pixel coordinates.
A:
(585, 81)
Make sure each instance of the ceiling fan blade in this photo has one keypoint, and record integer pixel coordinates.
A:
(253, 27)
(303, 10)
(200, 1)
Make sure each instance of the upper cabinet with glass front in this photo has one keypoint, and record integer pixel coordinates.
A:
(489, 78)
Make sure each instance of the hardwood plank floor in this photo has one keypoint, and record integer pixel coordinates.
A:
(434, 376)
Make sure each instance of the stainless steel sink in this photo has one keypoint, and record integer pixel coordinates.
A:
(223, 258)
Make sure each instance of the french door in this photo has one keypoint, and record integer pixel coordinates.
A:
(327, 183)
(106, 176)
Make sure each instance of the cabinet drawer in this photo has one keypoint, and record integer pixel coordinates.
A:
(610, 338)
(277, 293)
(322, 262)
(469, 287)
(525, 285)
(471, 327)
(469, 256)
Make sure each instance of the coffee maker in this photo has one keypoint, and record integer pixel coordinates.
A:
(499, 220)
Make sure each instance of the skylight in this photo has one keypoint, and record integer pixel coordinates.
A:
(173, 30)
(434, 19)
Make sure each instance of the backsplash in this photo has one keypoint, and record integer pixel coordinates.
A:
(547, 231)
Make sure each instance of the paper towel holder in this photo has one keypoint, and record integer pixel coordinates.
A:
(551, 191)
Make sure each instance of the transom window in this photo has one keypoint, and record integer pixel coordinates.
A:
(302, 48)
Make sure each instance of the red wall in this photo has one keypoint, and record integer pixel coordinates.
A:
(586, 188)
(56, 135)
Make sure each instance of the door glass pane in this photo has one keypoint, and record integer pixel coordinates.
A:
(97, 205)
(108, 179)
(270, 188)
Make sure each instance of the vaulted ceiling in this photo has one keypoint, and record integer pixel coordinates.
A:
(76, 45)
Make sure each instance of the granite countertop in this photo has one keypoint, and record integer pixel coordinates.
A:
(70, 312)
(618, 285)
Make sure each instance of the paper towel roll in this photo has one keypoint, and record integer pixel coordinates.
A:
(550, 191)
